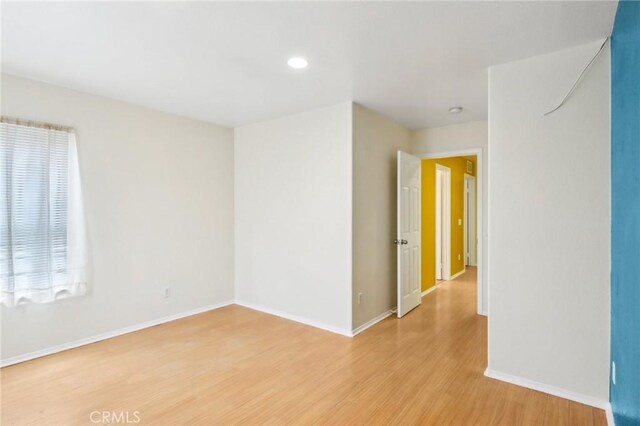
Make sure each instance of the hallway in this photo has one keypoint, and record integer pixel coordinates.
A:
(236, 365)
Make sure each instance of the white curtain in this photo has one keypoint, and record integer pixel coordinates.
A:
(43, 244)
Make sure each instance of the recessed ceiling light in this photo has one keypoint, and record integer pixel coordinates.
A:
(297, 62)
(455, 110)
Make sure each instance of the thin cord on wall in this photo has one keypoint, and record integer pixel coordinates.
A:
(582, 74)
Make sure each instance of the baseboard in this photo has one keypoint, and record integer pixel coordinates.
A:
(454, 276)
(429, 290)
(372, 322)
(551, 390)
(108, 335)
(295, 318)
(609, 413)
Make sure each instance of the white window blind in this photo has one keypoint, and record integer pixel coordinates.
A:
(42, 231)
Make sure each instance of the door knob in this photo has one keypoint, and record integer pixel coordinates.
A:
(396, 242)
(404, 242)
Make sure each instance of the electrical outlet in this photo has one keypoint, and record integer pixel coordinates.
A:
(459, 222)
(166, 292)
(613, 372)
(359, 298)
(458, 257)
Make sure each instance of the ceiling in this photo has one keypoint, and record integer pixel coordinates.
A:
(225, 62)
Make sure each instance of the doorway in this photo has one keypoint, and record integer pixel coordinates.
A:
(464, 256)
(468, 248)
(470, 207)
(442, 222)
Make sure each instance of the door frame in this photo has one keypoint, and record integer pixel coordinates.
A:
(445, 218)
(480, 228)
(469, 178)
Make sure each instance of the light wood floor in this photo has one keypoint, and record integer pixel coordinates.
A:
(235, 365)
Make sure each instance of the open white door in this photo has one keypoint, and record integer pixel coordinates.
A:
(408, 240)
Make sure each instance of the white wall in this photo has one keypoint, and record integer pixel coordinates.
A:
(293, 216)
(549, 222)
(158, 195)
(455, 138)
(376, 141)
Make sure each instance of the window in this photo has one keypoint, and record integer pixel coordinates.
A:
(42, 233)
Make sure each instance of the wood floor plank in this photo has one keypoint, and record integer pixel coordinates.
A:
(238, 366)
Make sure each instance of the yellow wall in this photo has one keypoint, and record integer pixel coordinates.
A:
(458, 166)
